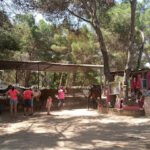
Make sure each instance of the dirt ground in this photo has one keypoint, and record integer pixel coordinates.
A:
(78, 129)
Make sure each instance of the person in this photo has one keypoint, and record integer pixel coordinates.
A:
(139, 82)
(12, 94)
(107, 95)
(61, 96)
(49, 104)
(140, 99)
(27, 96)
(133, 85)
(36, 96)
(136, 84)
(36, 93)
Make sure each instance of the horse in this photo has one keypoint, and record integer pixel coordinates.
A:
(94, 93)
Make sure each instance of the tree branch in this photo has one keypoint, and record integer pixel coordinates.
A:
(74, 14)
(89, 8)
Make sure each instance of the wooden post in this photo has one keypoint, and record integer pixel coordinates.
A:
(45, 79)
(61, 77)
(38, 77)
(16, 76)
(67, 78)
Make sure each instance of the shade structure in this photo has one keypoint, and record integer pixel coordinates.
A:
(46, 66)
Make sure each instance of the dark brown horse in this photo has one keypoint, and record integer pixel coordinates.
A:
(94, 93)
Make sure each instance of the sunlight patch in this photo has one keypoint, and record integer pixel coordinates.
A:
(77, 112)
(124, 119)
(109, 144)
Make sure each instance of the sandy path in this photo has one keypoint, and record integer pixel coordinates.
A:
(74, 130)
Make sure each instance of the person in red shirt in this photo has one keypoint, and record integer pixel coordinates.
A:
(133, 84)
(136, 84)
(13, 96)
(139, 82)
(27, 96)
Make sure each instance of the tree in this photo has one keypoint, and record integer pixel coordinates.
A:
(143, 23)
(116, 34)
(8, 43)
(4, 19)
(86, 10)
(131, 46)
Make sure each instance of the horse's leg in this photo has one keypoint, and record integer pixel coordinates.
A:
(92, 102)
(100, 97)
(88, 101)
(95, 103)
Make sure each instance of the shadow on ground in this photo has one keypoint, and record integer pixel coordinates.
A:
(66, 132)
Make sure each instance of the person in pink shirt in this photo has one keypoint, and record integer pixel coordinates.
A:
(27, 96)
(13, 96)
(61, 97)
(107, 94)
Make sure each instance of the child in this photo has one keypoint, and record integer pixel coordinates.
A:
(48, 104)
(61, 97)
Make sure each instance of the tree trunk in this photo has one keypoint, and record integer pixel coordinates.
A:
(61, 78)
(103, 49)
(131, 47)
(147, 55)
(91, 9)
(74, 78)
(27, 78)
(140, 51)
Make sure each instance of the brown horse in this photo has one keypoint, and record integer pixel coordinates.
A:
(94, 93)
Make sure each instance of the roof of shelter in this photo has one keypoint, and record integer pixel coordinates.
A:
(45, 66)
(133, 72)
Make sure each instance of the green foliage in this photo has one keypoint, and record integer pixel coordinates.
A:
(26, 19)
(35, 40)
(8, 43)
(120, 17)
(7, 40)
(68, 40)
(144, 20)
(4, 19)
